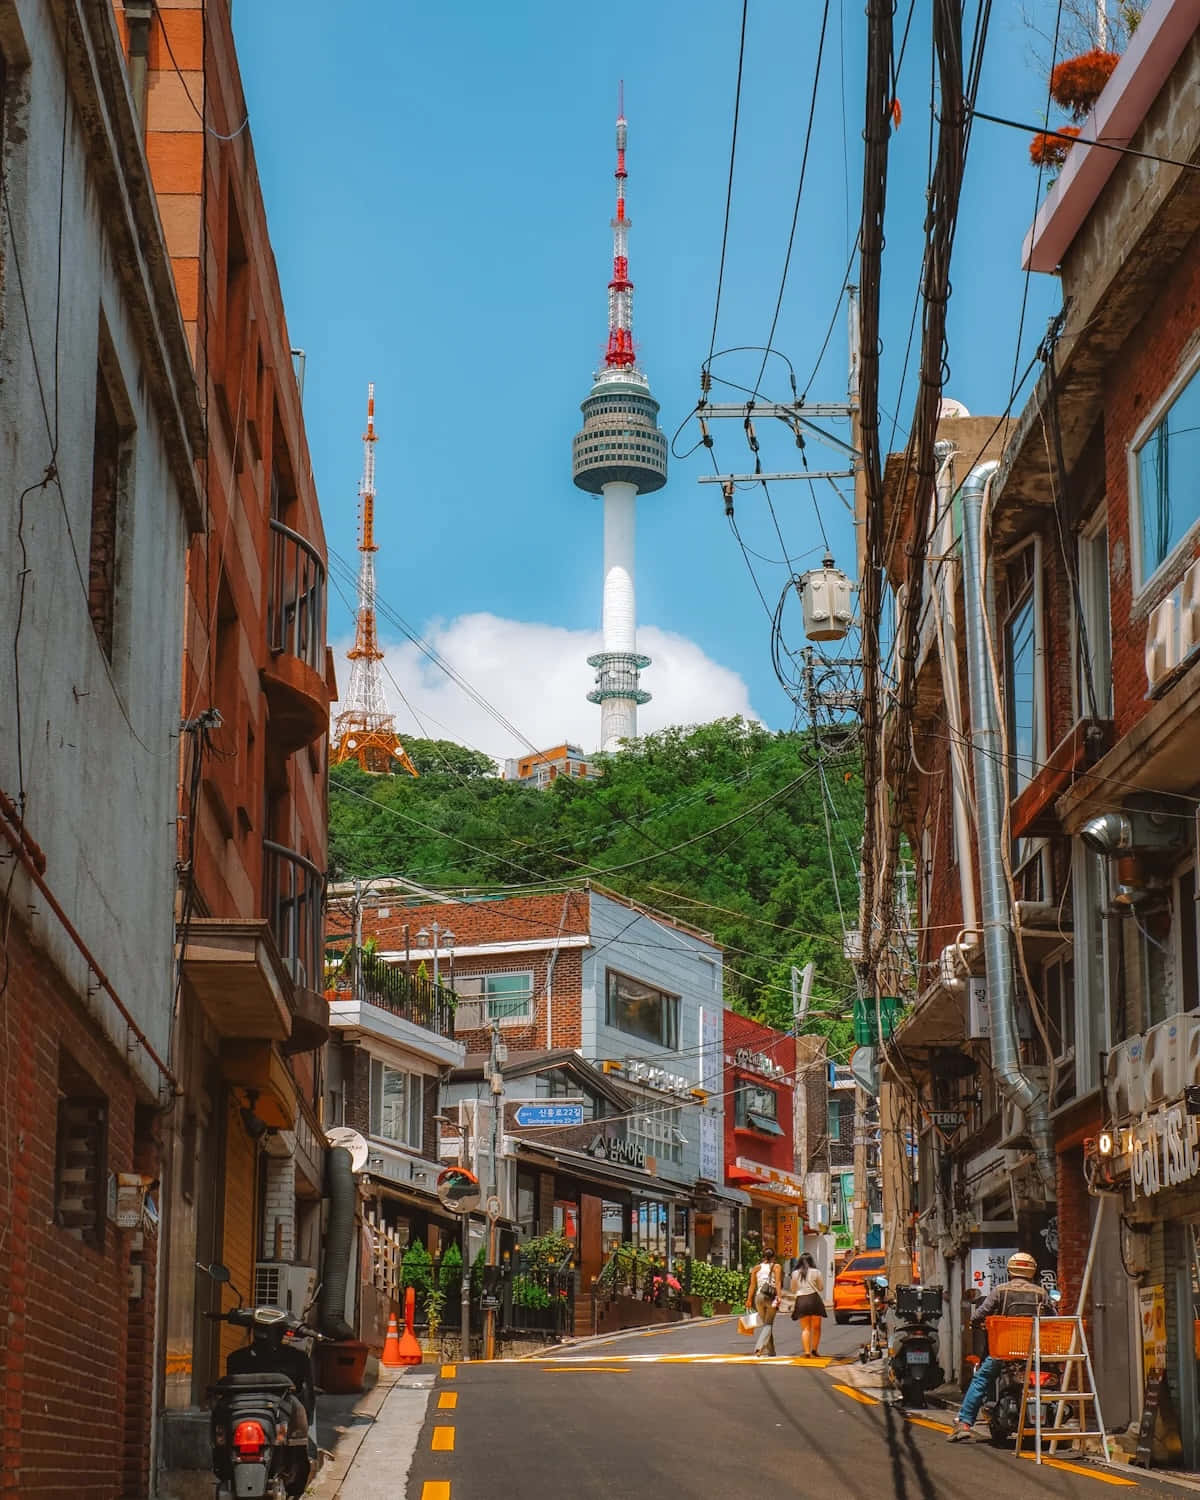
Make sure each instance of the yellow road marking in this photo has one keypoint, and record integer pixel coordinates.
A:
(925, 1422)
(585, 1369)
(435, 1489)
(449, 1372)
(848, 1390)
(448, 1400)
(443, 1440)
(1061, 1463)
(812, 1362)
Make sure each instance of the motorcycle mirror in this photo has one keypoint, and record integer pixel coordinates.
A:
(1055, 1295)
(217, 1271)
(881, 1281)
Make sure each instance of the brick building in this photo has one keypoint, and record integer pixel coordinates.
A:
(243, 1178)
(99, 426)
(1094, 539)
(583, 973)
(760, 1146)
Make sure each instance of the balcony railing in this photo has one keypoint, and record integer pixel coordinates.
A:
(296, 612)
(412, 997)
(295, 907)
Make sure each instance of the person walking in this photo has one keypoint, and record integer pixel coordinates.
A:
(762, 1296)
(1018, 1297)
(809, 1307)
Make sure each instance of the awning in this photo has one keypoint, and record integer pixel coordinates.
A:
(763, 1123)
(412, 1197)
(766, 1183)
(579, 1164)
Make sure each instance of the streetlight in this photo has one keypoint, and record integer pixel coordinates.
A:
(463, 1144)
(448, 939)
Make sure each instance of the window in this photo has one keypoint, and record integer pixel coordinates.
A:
(1166, 481)
(1187, 913)
(757, 1108)
(81, 1155)
(397, 1105)
(111, 453)
(642, 1011)
(1058, 995)
(658, 1133)
(1023, 676)
(509, 996)
(1096, 608)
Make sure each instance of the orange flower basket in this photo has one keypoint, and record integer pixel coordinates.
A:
(1012, 1338)
(1077, 82)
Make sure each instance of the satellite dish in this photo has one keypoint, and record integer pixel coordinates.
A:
(949, 407)
(350, 1140)
(864, 1065)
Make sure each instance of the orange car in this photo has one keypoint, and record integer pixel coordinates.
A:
(849, 1285)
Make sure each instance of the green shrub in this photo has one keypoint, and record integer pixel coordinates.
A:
(416, 1271)
(450, 1272)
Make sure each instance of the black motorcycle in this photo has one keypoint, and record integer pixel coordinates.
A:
(263, 1426)
(913, 1346)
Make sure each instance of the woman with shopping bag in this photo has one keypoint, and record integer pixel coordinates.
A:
(809, 1306)
(762, 1298)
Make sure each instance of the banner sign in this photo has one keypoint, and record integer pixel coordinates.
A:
(1163, 1149)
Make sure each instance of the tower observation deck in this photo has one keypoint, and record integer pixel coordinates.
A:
(619, 453)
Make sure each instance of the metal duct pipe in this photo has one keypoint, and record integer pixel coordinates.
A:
(989, 794)
(339, 1241)
(946, 607)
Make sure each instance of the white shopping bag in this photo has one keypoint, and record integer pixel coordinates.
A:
(748, 1322)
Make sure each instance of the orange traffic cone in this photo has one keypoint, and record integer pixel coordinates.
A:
(391, 1355)
(408, 1350)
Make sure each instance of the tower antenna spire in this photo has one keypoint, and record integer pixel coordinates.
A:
(365, 731)
(620, 453)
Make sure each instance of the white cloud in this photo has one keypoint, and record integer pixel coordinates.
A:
(537, 677)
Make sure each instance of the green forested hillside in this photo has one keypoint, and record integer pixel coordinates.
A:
(726, 826)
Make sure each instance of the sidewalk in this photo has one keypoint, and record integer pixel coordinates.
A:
(372, 1436)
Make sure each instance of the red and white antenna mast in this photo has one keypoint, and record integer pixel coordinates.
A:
(620, 355)
(365, 730)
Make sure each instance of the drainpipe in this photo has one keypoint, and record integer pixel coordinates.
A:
(138, 14)
(550, 973)
(947, 620)
(989, 793)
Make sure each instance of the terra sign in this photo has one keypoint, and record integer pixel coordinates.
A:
(1164, 1149)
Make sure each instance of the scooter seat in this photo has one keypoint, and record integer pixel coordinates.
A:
(268, 1381)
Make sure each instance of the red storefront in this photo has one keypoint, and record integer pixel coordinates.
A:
(760, 1072)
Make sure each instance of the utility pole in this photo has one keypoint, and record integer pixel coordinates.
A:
(464, 1156)
(499, 1056)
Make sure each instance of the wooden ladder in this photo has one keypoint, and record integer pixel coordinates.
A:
(1077, 1398)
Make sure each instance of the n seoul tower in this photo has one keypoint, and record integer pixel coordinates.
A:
(620, 453)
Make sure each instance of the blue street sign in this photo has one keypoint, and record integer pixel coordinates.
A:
(548, 1114)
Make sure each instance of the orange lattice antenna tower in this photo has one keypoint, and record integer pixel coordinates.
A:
(365, 731)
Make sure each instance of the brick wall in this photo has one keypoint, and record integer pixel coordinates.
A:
(69, 1328)
(1074, 1223)
(536, 918)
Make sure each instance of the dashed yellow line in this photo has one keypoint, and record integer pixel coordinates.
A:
(1061, 1463)
(809, 1361)
(435, 1489)
(447, 1400)
(449, 1372)
(585, 1369)
(926, 1422)
(443, 1440)
(855, 1395)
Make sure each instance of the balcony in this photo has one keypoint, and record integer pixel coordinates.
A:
(295, 912)
(294, 679)
(404, 1008)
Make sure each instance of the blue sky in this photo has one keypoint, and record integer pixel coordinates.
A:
(438, 185)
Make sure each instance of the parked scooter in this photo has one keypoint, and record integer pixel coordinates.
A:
(913, 1346)
(876, 1346)
(263, 1428)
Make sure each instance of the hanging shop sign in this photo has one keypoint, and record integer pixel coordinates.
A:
(947, 1122)
(1162, 1149)
(756, 1062)
(621, 1152)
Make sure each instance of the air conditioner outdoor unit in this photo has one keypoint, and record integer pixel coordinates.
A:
(1162, 649)
(279, 1283)
(1189, 612)
(1126, 1079)
(1172, 1048)
(470, 1015)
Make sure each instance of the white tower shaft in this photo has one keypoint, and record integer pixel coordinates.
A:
(618, 716)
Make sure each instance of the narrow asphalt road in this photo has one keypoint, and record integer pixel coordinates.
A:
(686, 1412)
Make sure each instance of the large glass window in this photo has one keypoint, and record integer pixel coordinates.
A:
(657, 1131)
(1096, 650)
(757, 1108)
(642, 1011)
(397, 1105)
(1167, 464)
(1021, 686)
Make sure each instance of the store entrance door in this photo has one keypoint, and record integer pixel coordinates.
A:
(1110, 1308)
(591, 1249)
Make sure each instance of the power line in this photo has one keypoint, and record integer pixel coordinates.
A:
(737, 107)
